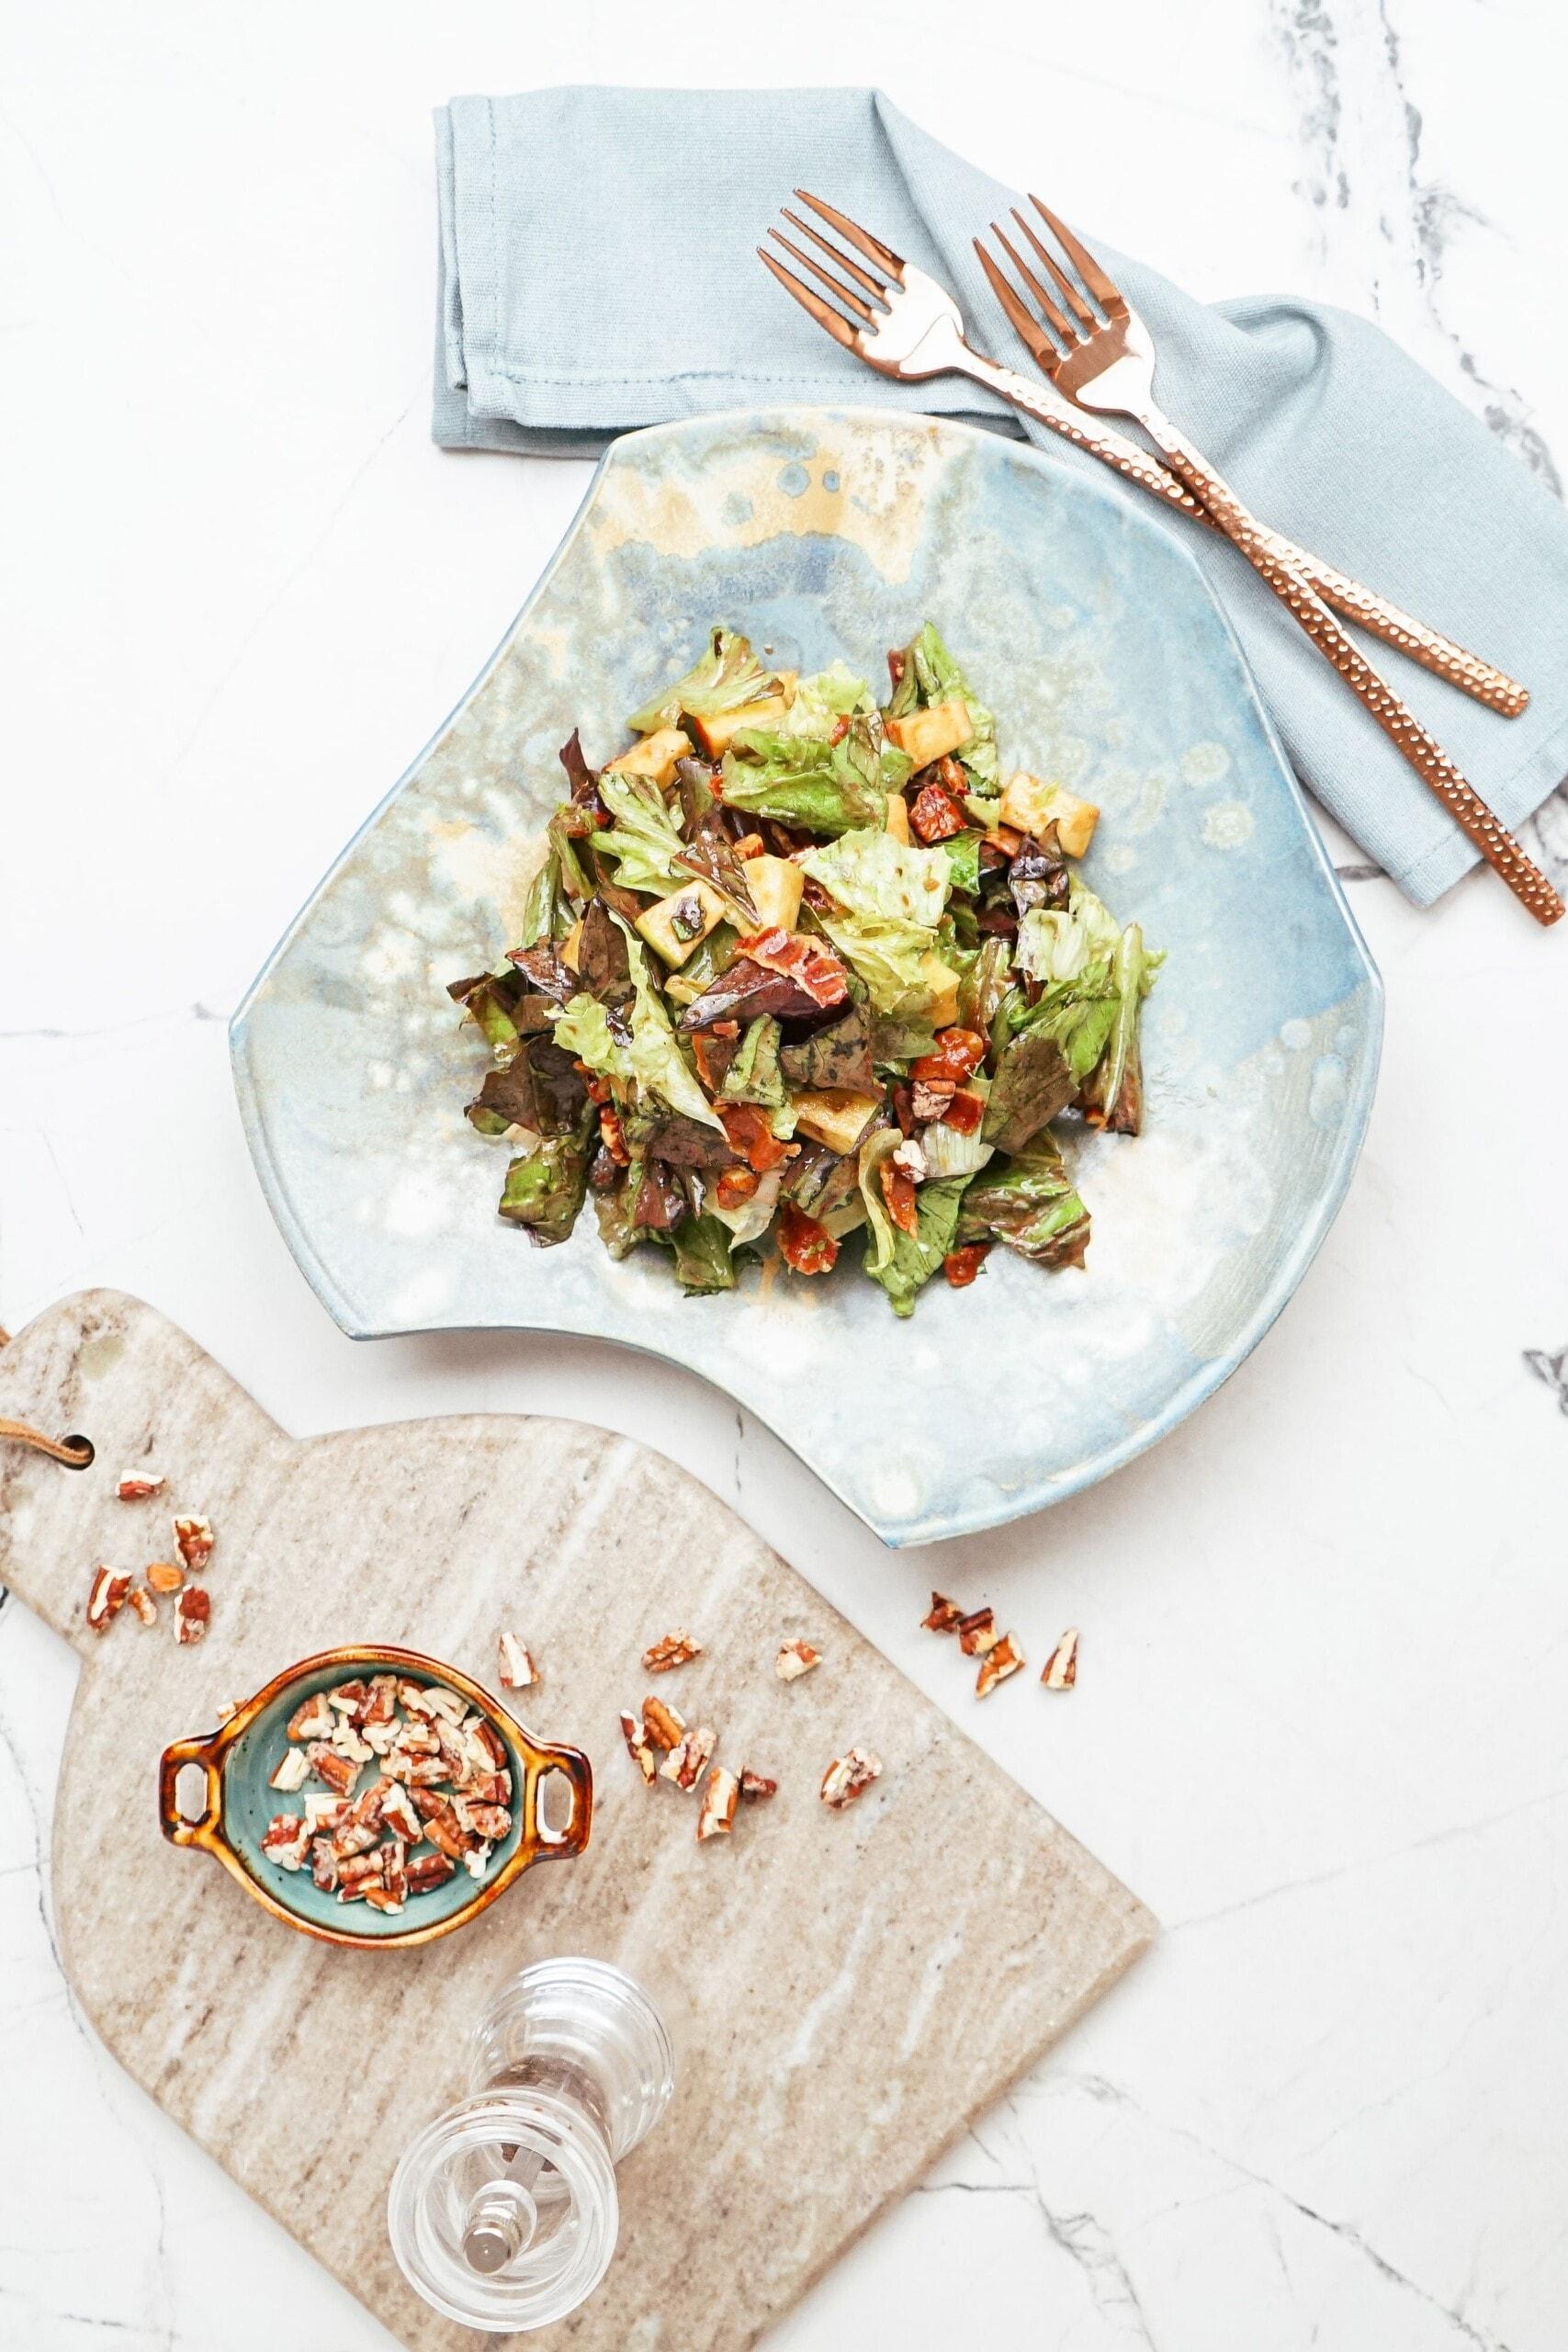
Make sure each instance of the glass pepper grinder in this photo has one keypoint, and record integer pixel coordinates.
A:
(502, 2212)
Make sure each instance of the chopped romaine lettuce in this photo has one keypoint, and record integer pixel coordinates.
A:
(724, 677)
(821, 700)
(903, 1262)
(891, 957)
(812, 783)
(870, 874)
(754, 1075)
(656, 1059)
(1029, 1202)
(544, 1184)
(702, 1255)
(643, 838)
(932, 676)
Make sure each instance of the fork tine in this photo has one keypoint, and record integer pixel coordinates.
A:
(1108, 296)
(845, 294)
(1080, 309)
(874, 285)
(823, 312)
(1066, 334)
(862, 239)
(1024, 324)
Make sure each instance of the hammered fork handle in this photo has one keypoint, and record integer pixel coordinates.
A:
(1461, 668)
(1399, 723)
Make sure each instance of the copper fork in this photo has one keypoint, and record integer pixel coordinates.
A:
(904, 325)
(1097, 350)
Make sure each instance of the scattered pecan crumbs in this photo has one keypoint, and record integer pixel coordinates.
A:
(689, 1758)
(192, 1611)
(796, 1658)
(945, 1616)
(638, 1746)
(195, 1539)
(675, 1649)
(848, 1776)
(661, 1724)
(1003, 1658)
(977, 1632)
(756, 1788)
(1062, 1665)
(142, 1600)
(518, 1669)
(136, 1485)
(717, 1816)
(105, 1598)
(164, 1576)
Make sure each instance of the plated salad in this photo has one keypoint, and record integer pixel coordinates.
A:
(795, 965)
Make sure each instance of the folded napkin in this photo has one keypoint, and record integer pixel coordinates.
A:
(598, 272)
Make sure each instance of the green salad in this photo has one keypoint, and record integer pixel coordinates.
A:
(794, 965)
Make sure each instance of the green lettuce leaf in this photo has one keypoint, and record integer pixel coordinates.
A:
(1030, 1203)
(545, 1185)
(1032, 1085)
(1077, 942)
(701, 1245)
(754, 1076)
(722, 678)
(643, 840)
(821, 700)
(539, 906)
(1115, 1086)
(890, 957)
(903, 1262)
(962, 855)
(583, 1027)
(870, 874)
(808, 782)
(656, 1061)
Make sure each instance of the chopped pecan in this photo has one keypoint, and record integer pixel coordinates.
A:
(381, 1706)
(977, 1632)
(105, 1598)
(323, 1863)
(292, 1771)
(1062, 1665)
(688, 1759)
(490, 1821)
(796, 1658)
(476, 1862)
(491, 1787)
(426, 1803)
(382, 1898)
(717, 1818)
(195, 1539)
(164, 1577)
(518, 1671)
(339, 1772)
(286, 1841)
(756, 1788)
(415, 1698)
(359, 1873)
(484, 1738)
(661, 1724)
(930, 1098)
(417, 1739)
(226, 1711)
(397, 1874)
(848, 1776)
(351, 1837)
(142, 1600)
(447, 1834)
(136, 1485)
(1003, 1658)
(347, 1742)
(192, 1611)
(323, 1813)
(634, 1732)
(446, 1703)
(349, 1699)
(312, 1719)
(675, 1649)
(398, 1812)
(945, 1616)
(427, 1871)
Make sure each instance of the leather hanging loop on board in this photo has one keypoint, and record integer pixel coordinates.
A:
(73, 1452)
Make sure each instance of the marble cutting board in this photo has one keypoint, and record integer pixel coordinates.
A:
(845, 1992)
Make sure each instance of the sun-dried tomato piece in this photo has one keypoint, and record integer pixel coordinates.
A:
(612, 1135)
(960, 1266)
(805, 961)
(934, 815)
(959, 1053)
(804, 1244)
(964, 1112)
(746, 1124)
(841, 729)
(713, 1050)
(898, 1191)
(735, 1186)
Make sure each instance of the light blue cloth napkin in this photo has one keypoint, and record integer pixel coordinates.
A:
(598, 272)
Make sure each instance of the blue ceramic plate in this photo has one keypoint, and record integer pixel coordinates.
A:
(1086, 625)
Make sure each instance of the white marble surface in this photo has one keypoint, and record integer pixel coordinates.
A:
(1321, 1721)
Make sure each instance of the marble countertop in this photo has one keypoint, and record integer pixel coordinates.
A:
(1321, 1721)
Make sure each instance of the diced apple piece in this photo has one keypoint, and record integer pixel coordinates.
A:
(898, 818)
(716, 735)
(942, 982)
(571, 944)
(655, 756)
(1031, 806)
(927, 735)
(673, 926)
(833, 1117)
(775, 885)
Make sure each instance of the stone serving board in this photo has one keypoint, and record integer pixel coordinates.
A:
(845, 1991)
